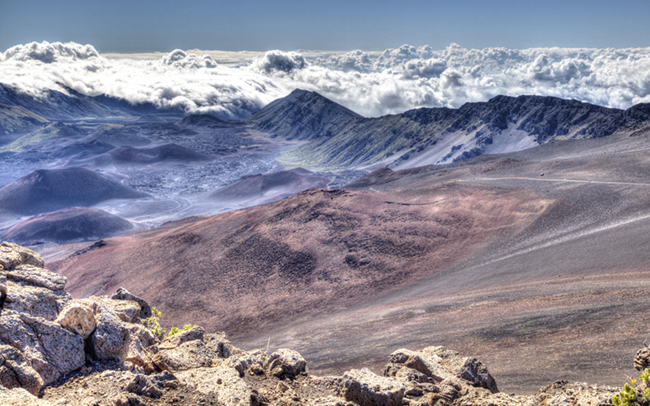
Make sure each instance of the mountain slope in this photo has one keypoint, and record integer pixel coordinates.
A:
(48, 190)
(16, 119)
(302, 115)
(67, 225)
(542, 252)
(271, 186)
(442, 135)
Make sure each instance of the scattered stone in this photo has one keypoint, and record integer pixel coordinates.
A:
(642, 359)
(368, 389)
(221, 382)
(286, 362)
(123, 294)
(470, 369)
(111, 338)
(78, 318)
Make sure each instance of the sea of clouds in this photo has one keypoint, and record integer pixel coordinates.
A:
(370, 83)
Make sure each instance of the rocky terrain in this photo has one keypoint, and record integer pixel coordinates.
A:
(101, 350)
(538, 252)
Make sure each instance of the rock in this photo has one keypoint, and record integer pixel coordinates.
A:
(12, 255)
(139, 339)
(221, 382)
(368, 389)
(35, 301)
(246, 360)
(188, 355)
(16, 371)
(20, 397)
(195, 333)
(78, 318)
(111, 338)
(575, 394)
(51, 350)
(285, 361)
(221, 346)
(151, 386)
(127, 310)
(36, 276)
(123, 294)
(642, 359)
(427, 364)
(470, 369)
(330, 401)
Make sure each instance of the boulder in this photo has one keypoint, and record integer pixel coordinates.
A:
(286, 362)
(221, 382)
(36, 276)
(642, 359)
(51, 350)
(127, 310)
(35, 300)
(20, 397)
(123, 294)
(111, 338)
(254, 361)
(195, 333)
(221, 346)
(78, 318)
(366, 388)
(469, 369)
(188, 355)
(151, 385)
(12, 255)
(427, 364)
(16, 371)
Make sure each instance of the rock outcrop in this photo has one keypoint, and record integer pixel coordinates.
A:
(55, 350)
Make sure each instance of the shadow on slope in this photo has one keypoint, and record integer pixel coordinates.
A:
(270, 187)
(49, 190)
(67, 225)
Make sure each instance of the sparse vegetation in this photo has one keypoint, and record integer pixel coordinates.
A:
(630, 396)
(153, 324)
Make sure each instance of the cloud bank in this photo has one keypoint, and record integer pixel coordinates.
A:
(370, 83)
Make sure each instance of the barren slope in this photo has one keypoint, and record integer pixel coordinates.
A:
(542, 254)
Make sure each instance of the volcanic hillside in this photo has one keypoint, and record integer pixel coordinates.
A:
(15, 119)
(302, 115)
(67, 225)
(443, 135)
(271, 186)
(167, 152)
(542, 252)
(48, 190)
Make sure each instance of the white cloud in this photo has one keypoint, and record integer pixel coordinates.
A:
(371, 83)
(278, 61)
(50, 52)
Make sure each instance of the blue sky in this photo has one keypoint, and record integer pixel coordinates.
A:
(162, 25)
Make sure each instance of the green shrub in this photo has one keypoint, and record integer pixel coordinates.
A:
(153, 324)
(629, 396)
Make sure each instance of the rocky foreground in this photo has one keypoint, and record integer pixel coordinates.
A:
(56, 350)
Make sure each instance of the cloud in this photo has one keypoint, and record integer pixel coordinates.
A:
(180, 59)
(50, 52)
(370, 83)
(274, 61)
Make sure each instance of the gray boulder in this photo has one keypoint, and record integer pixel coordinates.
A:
(366, 388)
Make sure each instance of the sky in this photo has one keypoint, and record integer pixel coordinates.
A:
(375, 57)
(162, 25)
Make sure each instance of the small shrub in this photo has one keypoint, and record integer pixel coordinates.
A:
(153, 324)
(629, 396)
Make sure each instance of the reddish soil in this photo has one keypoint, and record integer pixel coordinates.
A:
(536, 262)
